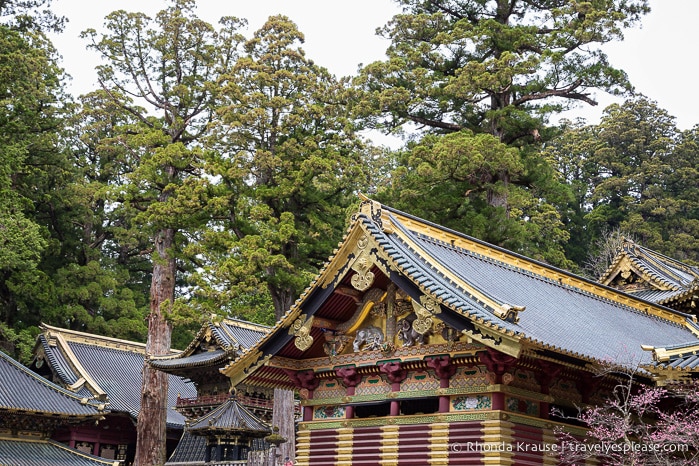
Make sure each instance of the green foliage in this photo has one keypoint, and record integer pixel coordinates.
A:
(156, 189)
(19, 345)
(28, 118)
(633, 172)
(288, 162)
(452, 180)
(167, 67)
(30, 15)
(498, 67)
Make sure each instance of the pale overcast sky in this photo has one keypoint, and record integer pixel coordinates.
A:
(340, 35)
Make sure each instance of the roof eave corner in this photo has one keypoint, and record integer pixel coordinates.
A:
(377, 213)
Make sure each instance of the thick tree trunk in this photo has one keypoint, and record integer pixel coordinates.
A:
(150, 443)
(282, 299)
(498, 197)
(283, 417)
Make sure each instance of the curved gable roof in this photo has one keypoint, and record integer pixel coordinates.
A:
(23, 390)
(226, 338)
(666, 279)
(22, 452)
(473, 282)
(107, 368)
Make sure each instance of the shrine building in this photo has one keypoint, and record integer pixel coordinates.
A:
(108, 371)
(32, 409)
(418, 345)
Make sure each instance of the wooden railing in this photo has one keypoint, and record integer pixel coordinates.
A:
(214, 400)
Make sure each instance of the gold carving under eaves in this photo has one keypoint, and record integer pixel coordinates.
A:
(430, 304)
(424, 310)
(370, 299)
(364, 277)
(422, 325)
(301, 328)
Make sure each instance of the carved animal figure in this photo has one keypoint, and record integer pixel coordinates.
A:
(368, 339)
(407, 333)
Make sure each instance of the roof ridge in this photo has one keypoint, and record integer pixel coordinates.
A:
(79, 369)
(659, 261)
(244, 322)
(94, 339)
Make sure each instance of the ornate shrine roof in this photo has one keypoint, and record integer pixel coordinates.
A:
(650, 275)
(229, 418)
(22, 390)
(26, 452)
(501, 299)
(216, 343)
(108, 369)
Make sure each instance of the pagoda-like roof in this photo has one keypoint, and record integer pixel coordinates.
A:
(32, 452)
(230, 418)
(218, 342)
(650, 275)
(107, 369)
(498, 298)
(23, 391)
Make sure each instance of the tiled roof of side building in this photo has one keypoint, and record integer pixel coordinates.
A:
(58, 362)
(230, 416)
(119, 374)
(190, 451)
(666, 268)
(658, 296)
(230, 337)
(679, 357)
(109, 366)
(206, 358)
(19, 452)
(662, 273)
(246, 334)
(23, 390)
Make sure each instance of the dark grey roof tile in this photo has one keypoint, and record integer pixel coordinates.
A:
(22, 389)
(119, 373)
(190, 451)
(558, 315)
(231, 416)
(45, 453)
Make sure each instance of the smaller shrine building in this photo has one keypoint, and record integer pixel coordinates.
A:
(31, 410)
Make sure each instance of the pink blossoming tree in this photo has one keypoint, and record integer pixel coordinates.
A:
(637, 425)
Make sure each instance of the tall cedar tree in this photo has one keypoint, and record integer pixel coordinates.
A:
(28, 117)
(289, 165)
(52, 270)
(634, 172)
(499, 68)
(170, 65)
